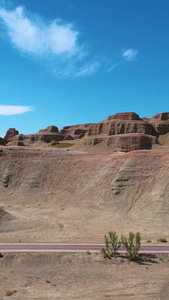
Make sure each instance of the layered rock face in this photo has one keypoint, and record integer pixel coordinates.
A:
(127, 131)
(123, 142)
(48, 129)
(75, 131)
(51, 134)
(47, 135)
(160, 123)
(124, 116)
(122, 123)
(120, 132)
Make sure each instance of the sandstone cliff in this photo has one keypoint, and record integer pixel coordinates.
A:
(127, 132)
(122, 132)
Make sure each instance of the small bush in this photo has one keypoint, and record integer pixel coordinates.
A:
(106, 251)
(132, 245)
(161, 258)
(162, 240)
(112, 245)
(148, 241)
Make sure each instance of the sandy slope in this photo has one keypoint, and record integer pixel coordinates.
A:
(67, 196)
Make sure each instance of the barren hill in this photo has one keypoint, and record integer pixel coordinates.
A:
(69, 196)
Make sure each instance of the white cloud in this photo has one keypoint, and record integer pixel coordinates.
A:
(32, 35)
(54, 43)
(88, 69)
(8, 110)
(130, 54)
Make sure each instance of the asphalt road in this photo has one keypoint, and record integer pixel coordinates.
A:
(56, 247)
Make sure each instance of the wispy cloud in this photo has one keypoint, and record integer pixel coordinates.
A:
(130, 54)
(8, 110)
(123, 56)
(54, 43)
(112, 67)
(35, 37)
(88, 69)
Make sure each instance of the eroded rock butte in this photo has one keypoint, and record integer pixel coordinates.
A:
(122, 132)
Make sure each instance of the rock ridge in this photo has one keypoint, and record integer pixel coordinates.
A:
(122, 132)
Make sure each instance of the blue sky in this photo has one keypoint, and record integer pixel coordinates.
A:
(74, 61)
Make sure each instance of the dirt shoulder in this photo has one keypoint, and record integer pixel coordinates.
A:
(82, 276)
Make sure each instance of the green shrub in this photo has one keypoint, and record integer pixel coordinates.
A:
(162, 240)
(148, 241)
(115, 244)
(112, 245)
(161, 258)
(106, 251)
(132, 245)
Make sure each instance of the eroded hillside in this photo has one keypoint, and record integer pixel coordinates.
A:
(68, 196)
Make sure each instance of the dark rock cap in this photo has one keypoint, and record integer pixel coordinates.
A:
(11, 132)
(50, 128)
(2, 141)
(124, 116)
(161, 117)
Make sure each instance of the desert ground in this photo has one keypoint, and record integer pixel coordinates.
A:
(60, 276)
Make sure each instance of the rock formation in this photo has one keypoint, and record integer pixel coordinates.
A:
(47, 135)
(122, 123)
(123, 142)
(75, 131)
(120, 132)
(160, 123)
(10, 134)
(2, 141)
(127, 116)
(127, 132)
